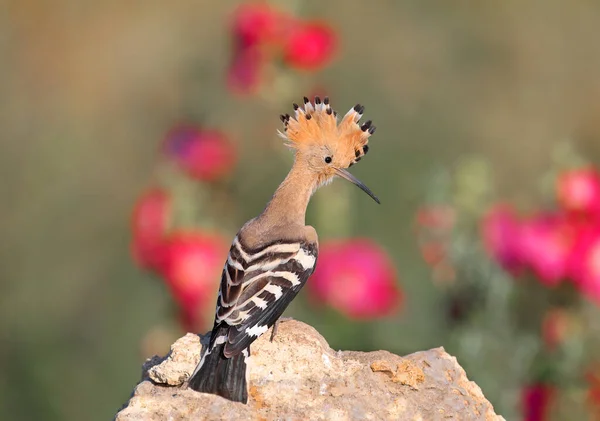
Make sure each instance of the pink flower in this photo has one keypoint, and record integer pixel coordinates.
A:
(501, 237)
(194, 263)
(536, 400)
(579, 191)
(310, 46)
(149, 224)
(585, 262)
(357, 278)
(204, 154)
(546, 242)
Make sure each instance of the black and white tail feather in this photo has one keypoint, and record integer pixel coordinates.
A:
(256, 287)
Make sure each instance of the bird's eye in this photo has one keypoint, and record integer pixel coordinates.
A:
(328, 160)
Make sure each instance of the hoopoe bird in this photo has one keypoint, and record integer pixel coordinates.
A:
(274, 254)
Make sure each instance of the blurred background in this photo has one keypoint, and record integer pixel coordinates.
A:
(137, 137)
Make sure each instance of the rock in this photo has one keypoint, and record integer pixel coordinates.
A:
(299, 377)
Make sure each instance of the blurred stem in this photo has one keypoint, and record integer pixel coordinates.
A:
(472, 186)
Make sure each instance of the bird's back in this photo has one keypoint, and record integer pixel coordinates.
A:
(263, 273)
(257, 285)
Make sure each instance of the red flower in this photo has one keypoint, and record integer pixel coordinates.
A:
(536, 400)
(192, 319)
(433, 229)
(149, 225)
(261, 32)
(585, 262)
(245, 71)
(579, 191)
(439, 217)
(357, 278)
(593, 392)
(547, 241)
(555, 327)
(433, 225)
(258, 32)
(257, 24)
(310, 46)
(206, 155)
(501, 237)
(194, 262)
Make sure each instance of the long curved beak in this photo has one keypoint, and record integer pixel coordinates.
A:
(345, 174)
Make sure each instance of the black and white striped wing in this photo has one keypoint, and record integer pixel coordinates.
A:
(257, 286)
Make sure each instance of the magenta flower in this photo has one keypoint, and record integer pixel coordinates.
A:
(357, 278)
(203, 154)
(585, 262)
(579, 191)
(501, 231)
(536, 400)
(546, 242)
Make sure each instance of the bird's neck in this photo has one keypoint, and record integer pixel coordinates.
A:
(289, 203)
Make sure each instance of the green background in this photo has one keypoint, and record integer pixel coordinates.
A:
(88, 89)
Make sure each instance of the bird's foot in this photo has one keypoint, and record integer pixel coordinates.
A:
(274, 331)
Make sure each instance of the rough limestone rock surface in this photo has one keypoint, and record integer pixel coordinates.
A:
(299, 377)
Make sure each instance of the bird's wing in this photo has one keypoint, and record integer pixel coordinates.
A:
(257, 286)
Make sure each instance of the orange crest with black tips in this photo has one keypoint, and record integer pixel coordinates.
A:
(317, 125)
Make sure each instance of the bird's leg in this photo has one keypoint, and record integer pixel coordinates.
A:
(274, 331)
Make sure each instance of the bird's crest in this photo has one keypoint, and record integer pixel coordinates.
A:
(317, 124)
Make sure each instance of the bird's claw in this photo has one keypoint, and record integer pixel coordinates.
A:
(274, 330)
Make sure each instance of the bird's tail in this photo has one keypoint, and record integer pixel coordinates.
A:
(220, 375)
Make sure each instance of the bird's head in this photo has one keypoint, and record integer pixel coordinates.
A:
(325, 147)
